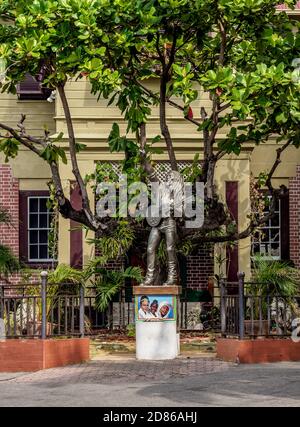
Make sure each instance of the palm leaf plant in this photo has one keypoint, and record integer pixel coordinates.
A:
(109, 282)
(9, 264)
(273, 280)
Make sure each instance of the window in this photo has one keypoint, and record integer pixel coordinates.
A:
(35, 224)
(267, 240)
(39, 220)
(273, 238)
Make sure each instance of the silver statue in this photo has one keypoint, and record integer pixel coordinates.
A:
(170, 193)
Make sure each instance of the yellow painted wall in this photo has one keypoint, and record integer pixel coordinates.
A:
(263, 157)
(93, 121)
(39, 114)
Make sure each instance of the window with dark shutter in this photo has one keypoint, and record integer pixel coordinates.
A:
(35, 219)
(31, 89)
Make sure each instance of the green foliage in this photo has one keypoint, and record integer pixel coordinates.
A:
(110, 282)
(182, 84)
(117, 244)
(191, 172)
(52, 205)
(9, 264)
(52, 153)
(114, 44)
(130, 328)
(9, 147)
(118, 46)
(274, 278)
(65, 274)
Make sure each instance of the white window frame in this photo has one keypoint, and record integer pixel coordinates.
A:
(269, 227)
(37, 260)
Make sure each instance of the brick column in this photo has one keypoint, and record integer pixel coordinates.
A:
(199, 268)
(9, 200)
(294, 202)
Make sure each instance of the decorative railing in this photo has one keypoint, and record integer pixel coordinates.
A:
(232, 309)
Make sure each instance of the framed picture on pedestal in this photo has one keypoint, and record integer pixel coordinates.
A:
(155, 307)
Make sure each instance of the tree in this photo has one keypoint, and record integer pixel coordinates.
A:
(240, 51)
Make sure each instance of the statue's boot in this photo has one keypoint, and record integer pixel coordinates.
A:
(149, 279)
(172, 274)
(153, 242)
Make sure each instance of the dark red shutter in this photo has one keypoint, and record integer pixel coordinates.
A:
(76, 259)
(232, 263)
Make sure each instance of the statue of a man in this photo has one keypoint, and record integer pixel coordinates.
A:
(170, 193)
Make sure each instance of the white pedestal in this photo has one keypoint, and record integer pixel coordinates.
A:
(157, 340)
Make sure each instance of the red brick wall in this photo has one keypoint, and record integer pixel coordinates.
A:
(9, 199)
(258, 351)
(32, 355)
(294, 201)
(199, 268)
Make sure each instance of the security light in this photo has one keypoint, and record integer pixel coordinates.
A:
(52, 97)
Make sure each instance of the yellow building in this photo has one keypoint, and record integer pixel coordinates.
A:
(24, 189)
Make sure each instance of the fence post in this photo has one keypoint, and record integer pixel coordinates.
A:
(44, 277)
(1, 302)
(241, 279)
(81, 311)
(223, 307)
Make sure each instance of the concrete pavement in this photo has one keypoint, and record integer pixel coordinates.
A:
(125, 382)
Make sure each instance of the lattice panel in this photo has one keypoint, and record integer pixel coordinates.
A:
(162, 168)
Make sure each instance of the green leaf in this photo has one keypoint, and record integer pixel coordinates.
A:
(281, 117)
(80, 147)
(9, 147)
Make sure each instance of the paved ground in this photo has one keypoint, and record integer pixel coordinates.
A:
(196, 381)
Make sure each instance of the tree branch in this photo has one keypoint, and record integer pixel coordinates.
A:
(64, 204)
(95, 224)
(148, 168)
(162, 102)
(26, 142)
(277, 162)
(255, 222)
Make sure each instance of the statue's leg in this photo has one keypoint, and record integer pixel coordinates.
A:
(170, 233)
(153, 242)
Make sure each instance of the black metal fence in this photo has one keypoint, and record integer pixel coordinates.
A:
(42, 310)
(229, 308)
(251, 309)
